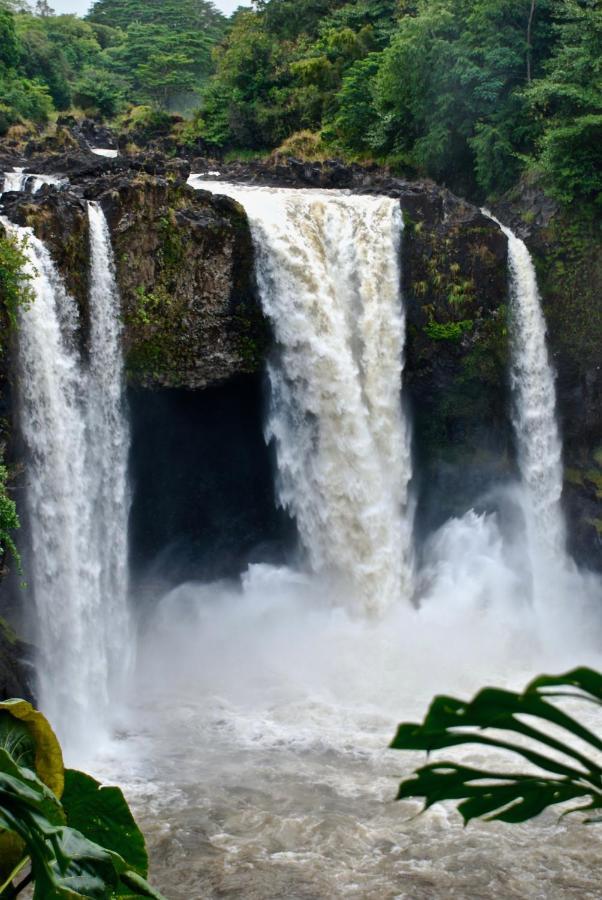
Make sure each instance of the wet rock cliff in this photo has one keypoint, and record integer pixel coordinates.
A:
(193, 322)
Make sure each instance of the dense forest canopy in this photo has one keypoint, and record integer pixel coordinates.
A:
(473, 93)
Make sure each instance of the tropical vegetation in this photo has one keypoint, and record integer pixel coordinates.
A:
(474, 93)
(61, 831)
(562, 752)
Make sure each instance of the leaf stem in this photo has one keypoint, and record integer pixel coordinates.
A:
(9, 881)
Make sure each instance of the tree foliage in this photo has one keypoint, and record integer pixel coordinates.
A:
(470, 92)
(127, 51)
(473, 93)
(568, 101)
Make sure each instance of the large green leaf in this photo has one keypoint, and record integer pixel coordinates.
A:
(494, 795)
(509, 797)
(48, 754)
(587, 681)
(17, 740)
(103, 816)
(66, 863)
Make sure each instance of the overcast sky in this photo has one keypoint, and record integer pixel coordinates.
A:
(81, 7)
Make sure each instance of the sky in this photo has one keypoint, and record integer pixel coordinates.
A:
(81, 6)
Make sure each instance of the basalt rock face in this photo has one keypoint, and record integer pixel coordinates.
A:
(192, 318)
(184, 263)
(16, 666)
(567, 249)
(193, 321)
(185, 268)
(455, 292)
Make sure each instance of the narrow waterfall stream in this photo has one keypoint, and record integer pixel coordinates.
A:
(14, 181)
(538, 437)
(75, 432)
(330, 282)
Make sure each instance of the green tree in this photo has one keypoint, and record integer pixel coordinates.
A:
(446, 90)
(246, 103)
(9, 46)
(175, 15)
(160, 64)
(100, 91)
(568, 102)
(353, 123)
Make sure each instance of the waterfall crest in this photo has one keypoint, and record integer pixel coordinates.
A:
(14, 181)
(76, 436)
(328, 271)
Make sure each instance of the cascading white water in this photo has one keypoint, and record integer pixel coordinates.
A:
(14, 181)
(538, 436)
(328, 269)
(73, 426)
(18, 180)
(108, 449)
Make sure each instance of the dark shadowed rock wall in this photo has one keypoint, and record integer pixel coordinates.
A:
(203, 504)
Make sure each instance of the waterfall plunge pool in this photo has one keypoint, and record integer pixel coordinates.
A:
(255, 756)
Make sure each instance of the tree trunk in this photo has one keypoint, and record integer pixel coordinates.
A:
(529, 29)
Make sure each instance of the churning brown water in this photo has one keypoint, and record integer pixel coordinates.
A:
(256, 752)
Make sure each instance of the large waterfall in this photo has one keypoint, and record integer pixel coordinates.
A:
(536, 428)
(329, 278)
(76, 436)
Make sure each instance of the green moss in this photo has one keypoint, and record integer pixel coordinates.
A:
(151, 306)
(172, 249)
(254, 336)
(8, 633)
(594, 476)
(568, 257)
(487, 361)
(154, 352)
(573, 476)
(15, 291)
(9, 520)
(447, 331)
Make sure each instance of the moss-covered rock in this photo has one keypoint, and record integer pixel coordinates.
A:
(184, 263)
(185, 269)
(455, 286)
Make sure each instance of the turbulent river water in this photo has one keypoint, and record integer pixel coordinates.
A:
(254, 750)
(252, 741)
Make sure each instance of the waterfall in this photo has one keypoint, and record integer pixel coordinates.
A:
(14, 181)
(76, 436)
(538, 437)
(18, 180)
(108, 448)
(328, 271)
